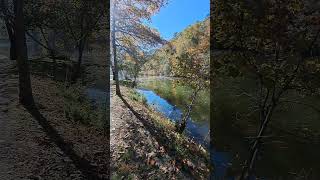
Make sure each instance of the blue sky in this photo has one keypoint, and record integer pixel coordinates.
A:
(179, 14)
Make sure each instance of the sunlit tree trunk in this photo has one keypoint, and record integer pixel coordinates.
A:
(114, 51)
(135, 75)
(182, 125)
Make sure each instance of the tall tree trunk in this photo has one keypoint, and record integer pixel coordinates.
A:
(255, 148)
(77, 72)
(114, 50)
(80, 55)
(51, 44)
(106, 124)
(25, 90)
(13, 53)
(80, 46)
(135, 75)
(52, 47)
(134, 83)
(181, 126)
(112, 69)
(10, 31)
(54, 67)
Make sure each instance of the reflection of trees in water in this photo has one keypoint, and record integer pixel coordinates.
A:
(178, 94)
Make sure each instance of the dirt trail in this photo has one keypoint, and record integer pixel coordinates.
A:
(6, 137)
(25, 150)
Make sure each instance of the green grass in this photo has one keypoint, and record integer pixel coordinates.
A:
(135, 96)
(128, 155)
(127, 83)
(125, 167)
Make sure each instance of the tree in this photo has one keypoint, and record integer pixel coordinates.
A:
(133, 62)
(25, 90)
(193, 65)
(86, 17)
(159, 63)
(75, 21)
(274, 43)
(7, 15)
(188, 57)
(127, 26)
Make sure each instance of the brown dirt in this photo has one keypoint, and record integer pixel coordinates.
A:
(89, 142)
(138, 147)
(25, 150)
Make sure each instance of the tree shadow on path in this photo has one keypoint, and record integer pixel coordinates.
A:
(90, 172)
(163, 140)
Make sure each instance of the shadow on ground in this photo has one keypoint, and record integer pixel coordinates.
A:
(89, 171)
(163, 140)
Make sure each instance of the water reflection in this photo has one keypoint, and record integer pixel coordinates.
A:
(179, 95)
(196, 130)
(281, 156)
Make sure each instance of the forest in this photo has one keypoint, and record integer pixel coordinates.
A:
(169, 59)
(159, 89)
(159, 131)
(53, 61)
(265, 62)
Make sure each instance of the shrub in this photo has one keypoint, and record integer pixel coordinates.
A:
(78, 108)
(134, 95)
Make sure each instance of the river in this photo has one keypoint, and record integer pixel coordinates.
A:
(283, 156)
(171, 100)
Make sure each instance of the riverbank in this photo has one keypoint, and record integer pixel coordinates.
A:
(140, 134)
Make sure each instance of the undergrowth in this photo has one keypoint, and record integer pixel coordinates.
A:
(180, 142)
(134, 95)
(78, 108)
